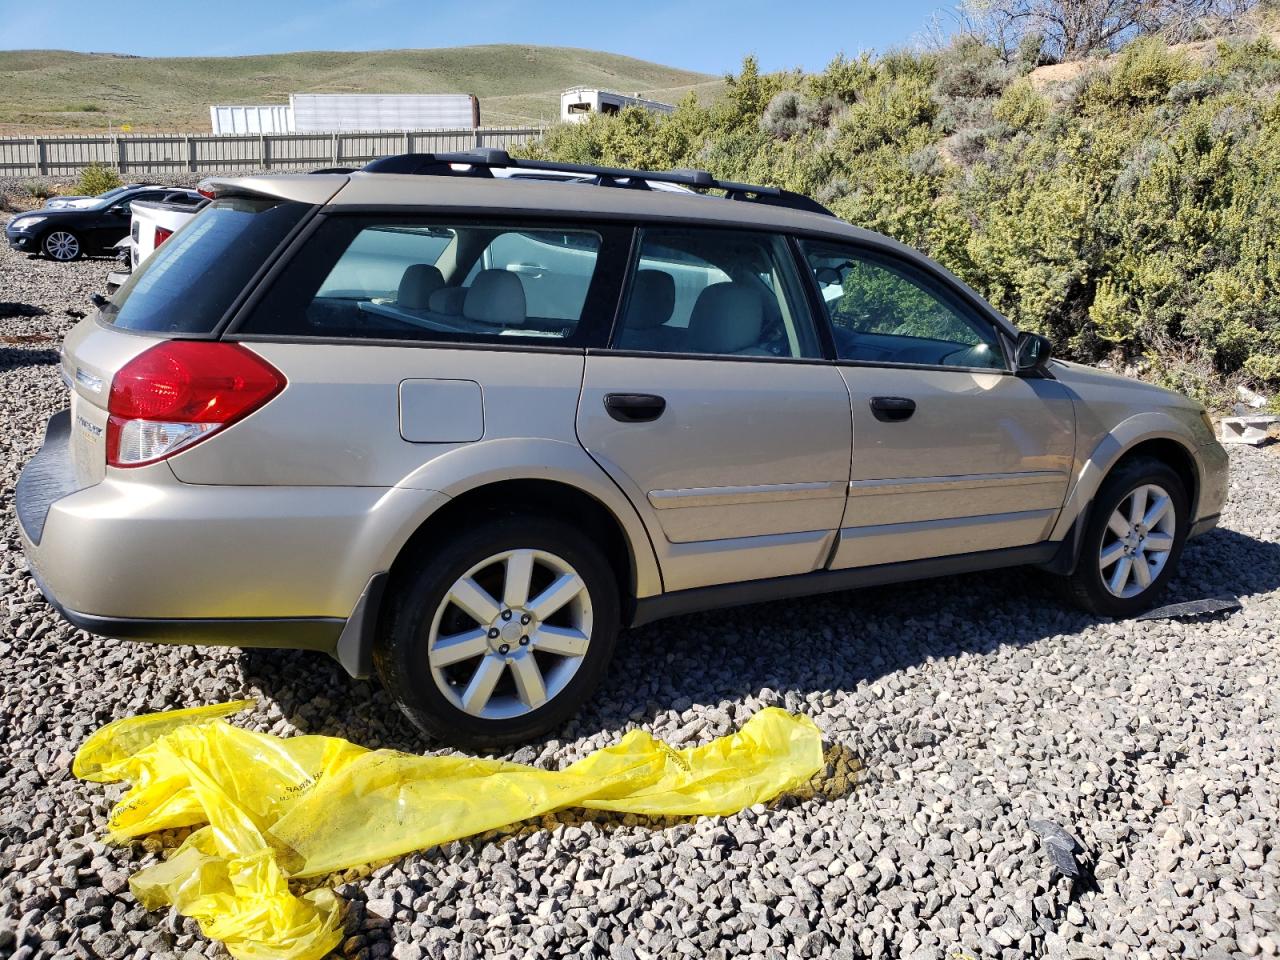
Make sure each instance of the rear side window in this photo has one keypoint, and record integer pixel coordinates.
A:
(373, 264)
(187, 285)
(462, 281)
(712, 291)
(554, 266)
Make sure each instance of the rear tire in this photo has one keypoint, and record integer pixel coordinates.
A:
(1132, 541)
(61, 245)
(500, 634)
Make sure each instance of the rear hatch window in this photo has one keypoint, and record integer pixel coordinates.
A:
(188, 284)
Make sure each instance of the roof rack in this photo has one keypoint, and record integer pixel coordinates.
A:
(480, 162)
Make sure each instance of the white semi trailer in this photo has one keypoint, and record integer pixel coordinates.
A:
(350, 113)
(355, 112)
(237, 118)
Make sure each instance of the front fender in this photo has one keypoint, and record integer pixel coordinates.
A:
(1107, 451)
(476, 465)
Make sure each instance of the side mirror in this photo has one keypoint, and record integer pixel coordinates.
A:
(1031, 354)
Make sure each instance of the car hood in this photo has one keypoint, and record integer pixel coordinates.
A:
(1089, 381)
(52, 212)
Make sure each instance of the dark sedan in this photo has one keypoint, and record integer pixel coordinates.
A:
(73, 232)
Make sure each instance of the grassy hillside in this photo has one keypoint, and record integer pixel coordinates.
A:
(47, 90)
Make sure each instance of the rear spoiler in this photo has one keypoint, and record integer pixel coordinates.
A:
(162, 205)
(314, 189)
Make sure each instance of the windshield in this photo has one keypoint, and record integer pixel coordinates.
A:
(101, 201)
(188, 284)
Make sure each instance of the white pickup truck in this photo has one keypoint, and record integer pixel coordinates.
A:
(152, 223)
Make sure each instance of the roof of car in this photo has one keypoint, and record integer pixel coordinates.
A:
(526, 196)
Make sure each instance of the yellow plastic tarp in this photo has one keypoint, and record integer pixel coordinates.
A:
(270, 809)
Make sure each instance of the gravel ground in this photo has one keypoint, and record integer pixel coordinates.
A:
(968, 706)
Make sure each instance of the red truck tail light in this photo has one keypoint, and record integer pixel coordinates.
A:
(162, 234)
(180, 392)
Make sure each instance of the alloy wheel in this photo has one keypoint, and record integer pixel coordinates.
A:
(510, 634)
(1136, 544)
(62, 245)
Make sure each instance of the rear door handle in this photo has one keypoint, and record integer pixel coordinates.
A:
(634, 407)
(892, 409)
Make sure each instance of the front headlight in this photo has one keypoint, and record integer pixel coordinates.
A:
(26, 223)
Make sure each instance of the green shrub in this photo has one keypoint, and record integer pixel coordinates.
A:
(786, 116)
(1146, 70)
(95, 179)
(1021, 105)
(970, 68)
(843, 80)
(38, 191)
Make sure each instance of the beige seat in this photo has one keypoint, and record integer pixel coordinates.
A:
(495, 297)
(447, 301)
(727, 318)
(417, 285)
(653, 299)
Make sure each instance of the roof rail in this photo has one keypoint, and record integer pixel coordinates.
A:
(480, 162)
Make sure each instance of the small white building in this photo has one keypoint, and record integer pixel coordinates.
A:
(580, 102)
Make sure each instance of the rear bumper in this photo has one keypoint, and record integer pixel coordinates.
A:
(141, 556)
(294, 633)
(46, 479)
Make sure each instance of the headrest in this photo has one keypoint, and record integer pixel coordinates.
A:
(497, 297)
(653, 297)
(727, 318)
(447, 300)
(416, 286)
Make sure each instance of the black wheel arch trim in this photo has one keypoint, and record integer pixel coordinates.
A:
(354, 646)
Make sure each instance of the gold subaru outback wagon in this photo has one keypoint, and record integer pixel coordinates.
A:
(457, 419)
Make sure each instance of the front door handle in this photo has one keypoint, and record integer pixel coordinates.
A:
(634, 407)
(892, 409)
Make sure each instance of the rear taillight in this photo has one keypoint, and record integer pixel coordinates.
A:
(180, 392)
(162, 234)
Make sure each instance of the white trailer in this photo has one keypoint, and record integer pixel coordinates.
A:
(251, 119)
(351, 113)
(580, 102)
(361, 112)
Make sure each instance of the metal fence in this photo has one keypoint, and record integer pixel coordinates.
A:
(173, 153)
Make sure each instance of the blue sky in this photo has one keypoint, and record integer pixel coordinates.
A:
(708, 35)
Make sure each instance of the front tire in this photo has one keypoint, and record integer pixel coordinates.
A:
(61, 245)
(500, 634)
(1133, 540)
